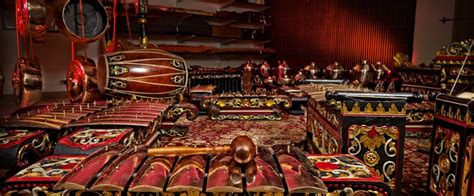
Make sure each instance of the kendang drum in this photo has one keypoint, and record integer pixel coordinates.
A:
(147, 73)
(86, 23)
(27, 81)
(31, 16)
(81, 81)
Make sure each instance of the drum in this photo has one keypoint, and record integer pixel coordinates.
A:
(69, 19)
(81, 81)
(27, 82)
(147, 73)
(31, 16)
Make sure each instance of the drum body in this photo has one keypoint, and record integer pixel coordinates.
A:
(69, 19)
(27, 82)
(31, 16)
(81, 81)
(147, 73)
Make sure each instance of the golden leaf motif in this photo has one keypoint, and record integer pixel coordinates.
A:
(393, 109)
(356, 108)
(391, 131)
(221, 103)
(372, 143)
(270, 103)
(344, 108)
(354, 131)
(368, 108)
(380, 109)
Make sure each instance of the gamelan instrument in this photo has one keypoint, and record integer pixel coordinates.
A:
(31, 19)
(147, 73)
(274, 171)
(81, 20)
(342, 95)
(52, 116)
(242, 149)
(27, 81)
(126, 113)
(224, 79)
(81, 81)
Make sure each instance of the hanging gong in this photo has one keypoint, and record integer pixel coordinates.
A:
(81, 81)
(27, 82)
(81, 25)
(31, 16)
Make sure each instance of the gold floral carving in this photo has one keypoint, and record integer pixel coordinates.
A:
(375, 139)
(371, 158)
(444, 164)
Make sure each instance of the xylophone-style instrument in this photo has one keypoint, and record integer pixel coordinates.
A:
(53, 116)
(134, 172)
(224, 79)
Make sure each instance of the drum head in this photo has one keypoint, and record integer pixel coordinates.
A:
(95, 19)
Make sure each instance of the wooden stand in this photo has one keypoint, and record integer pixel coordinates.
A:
(452, 148)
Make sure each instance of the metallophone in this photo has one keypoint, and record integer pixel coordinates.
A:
(236, 106)
(366, 124)
(224, 79)
(30, 133)
(277, 170)
(80, 129)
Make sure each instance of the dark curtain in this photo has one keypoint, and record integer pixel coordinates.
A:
(346, 31)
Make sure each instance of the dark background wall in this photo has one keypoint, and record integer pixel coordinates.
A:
(464, 20)
(339, 30)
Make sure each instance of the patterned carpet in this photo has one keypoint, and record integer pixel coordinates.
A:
(206, 132)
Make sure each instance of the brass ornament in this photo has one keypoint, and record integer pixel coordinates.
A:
(444, 164)
(371, 158)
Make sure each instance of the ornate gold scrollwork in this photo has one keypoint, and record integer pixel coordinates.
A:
(446, 147)
(117, 70)
(372, 138)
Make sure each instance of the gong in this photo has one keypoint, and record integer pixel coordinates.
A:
(86, 23)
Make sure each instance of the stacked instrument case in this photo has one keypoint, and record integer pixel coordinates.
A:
(452, 147)
(372, 129)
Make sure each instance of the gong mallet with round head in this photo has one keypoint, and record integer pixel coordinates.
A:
(242, 148)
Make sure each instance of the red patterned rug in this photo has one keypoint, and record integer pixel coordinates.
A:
(206, 132)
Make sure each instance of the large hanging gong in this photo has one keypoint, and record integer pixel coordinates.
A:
(84, 23)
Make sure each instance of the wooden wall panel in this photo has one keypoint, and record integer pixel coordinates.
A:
(325, 31)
